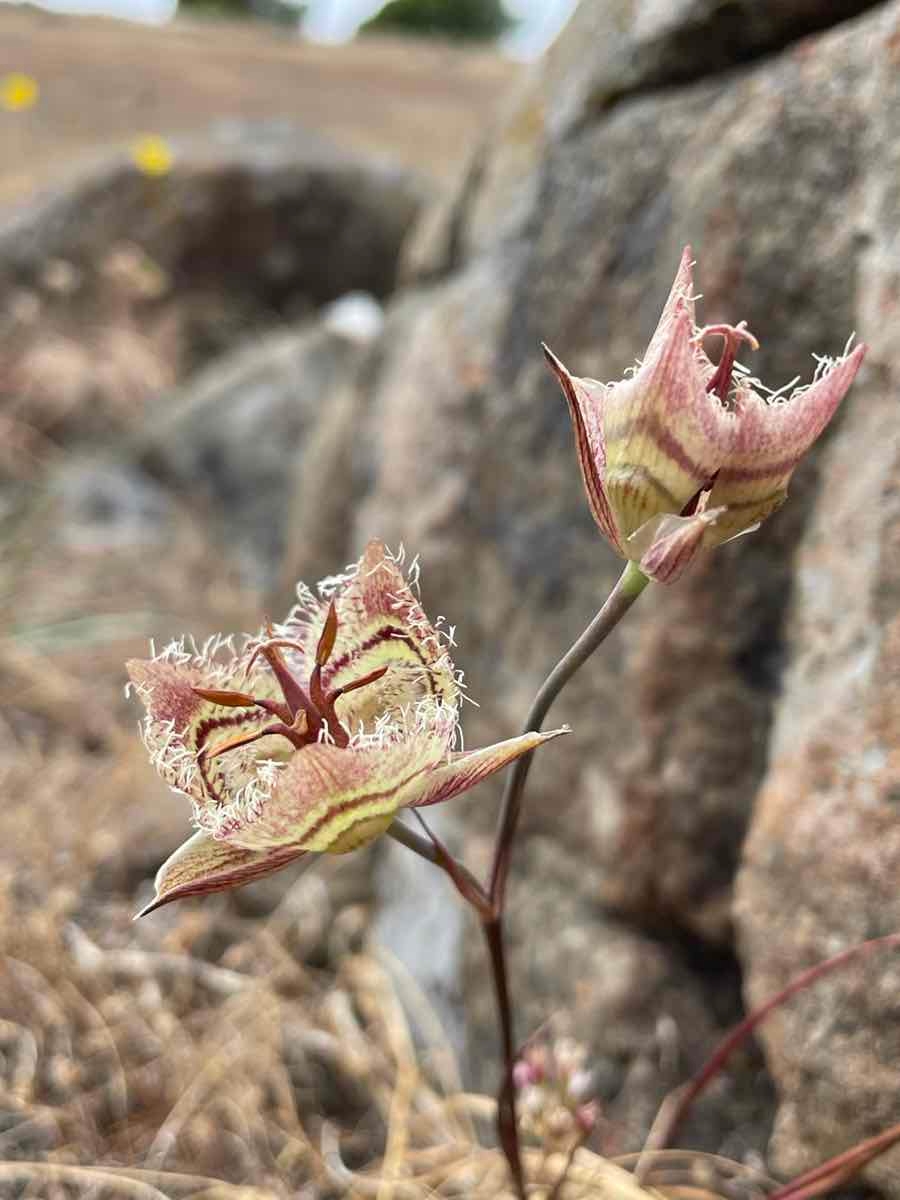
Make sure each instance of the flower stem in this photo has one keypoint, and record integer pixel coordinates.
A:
(433, 851)
(507, 1121)
(677, 1104)
(629, 586)
(490, 903)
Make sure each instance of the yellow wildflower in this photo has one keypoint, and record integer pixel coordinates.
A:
(18, 92)
(152, 156)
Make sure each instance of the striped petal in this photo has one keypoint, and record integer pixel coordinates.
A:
(771, 438)
(665, 436)
(380, 623)
(681, 297)
(469, 768)
(180, 726)
(330, 798)
(667, 545)
(648, 444)
(203, 864)
(585, 399)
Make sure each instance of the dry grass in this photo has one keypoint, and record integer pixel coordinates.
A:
(247, 1046)
(235, 1048)
(251, 1046)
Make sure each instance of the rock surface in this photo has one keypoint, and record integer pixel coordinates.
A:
(821, 863)
(237, 436)
(759, 692)
(122, 283)
(779, 172)
(824, 849)
(499, 516)
(635, 47)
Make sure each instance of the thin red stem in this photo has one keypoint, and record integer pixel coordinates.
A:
(507, 1119)
(675, 1107)
(839, 1169)
(629, 586)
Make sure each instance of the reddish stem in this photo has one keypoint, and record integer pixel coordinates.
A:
(675, 1107)
(839, 1169)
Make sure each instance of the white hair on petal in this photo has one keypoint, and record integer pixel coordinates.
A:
(325, 737)
(246, 805)
(825, 364)
(429, 717)
(217, 659)
(175, 762)
(332, 584)
(233, 793)
(754, 383)
(413, 573)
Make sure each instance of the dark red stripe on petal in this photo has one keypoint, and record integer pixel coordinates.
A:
(777, 470)
(355, 802)
(634, 480)
(775, 498)
(201, 737)
(590, 473)
(649, 425)
(390, 633)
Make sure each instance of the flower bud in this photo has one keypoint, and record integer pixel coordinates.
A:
(686, 454)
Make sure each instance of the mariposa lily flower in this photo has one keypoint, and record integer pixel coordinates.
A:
(315, 734)
(687, 453)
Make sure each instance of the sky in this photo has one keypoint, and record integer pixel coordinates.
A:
(338, 20)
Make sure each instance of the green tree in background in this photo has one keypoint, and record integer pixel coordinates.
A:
(277, 12)
(470, 19)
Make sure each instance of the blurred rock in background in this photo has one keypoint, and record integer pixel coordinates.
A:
(768, 151)
(758, 697)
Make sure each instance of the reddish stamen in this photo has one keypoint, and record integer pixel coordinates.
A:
(325, 701)
(720, 382)
(297, 700)
(295, 733)
(357, 683)
(301, 717)
(243, 700)
(327, 637)
(327, 704)
(226, 699)
(323, 652)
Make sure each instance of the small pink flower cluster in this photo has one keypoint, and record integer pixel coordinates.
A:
(554, 1092)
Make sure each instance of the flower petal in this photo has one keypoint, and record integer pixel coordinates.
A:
(203, 864)
(380, 623)
(330, 798)
(648, 444)
(681, 297)
(180, 725)
(665, 435)
(667, 545)
(770, 440)
(585, 398)
(469, 768)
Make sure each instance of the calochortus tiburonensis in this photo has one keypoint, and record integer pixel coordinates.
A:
(685, 453)
(313, 735)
